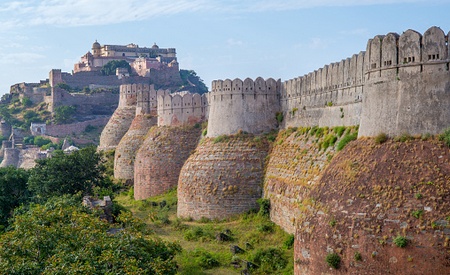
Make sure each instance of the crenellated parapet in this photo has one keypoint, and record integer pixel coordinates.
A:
(407, 84)
(181, 109)
(248, 105)
(329, 96)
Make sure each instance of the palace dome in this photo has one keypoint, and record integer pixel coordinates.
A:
(96, 45)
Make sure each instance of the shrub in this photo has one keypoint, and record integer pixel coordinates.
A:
(221, 138)
(357, 256)
(27, 102)
(417, 213)
(333, 260)
(264, 207)
(279, 117)
(205, 259)
(346, 139)
(269, 259)
(204, 132)
(328, 141)
(381, 138)
(332, 222)
(400, 241)
(339, 130)
(403, 138)
(265, 227)
(445, 137)
(289, 242)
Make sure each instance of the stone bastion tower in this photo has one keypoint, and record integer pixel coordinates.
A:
(223, 178)
(168, 145)
(144, 119)
(120, 121)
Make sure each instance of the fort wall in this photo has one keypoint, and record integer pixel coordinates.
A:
(248, 105)
(64, 130)
(221, 179)
(161, 157)
(407, 87)
(144, 97)
(10, 157)
(181, 109)
(120, 121)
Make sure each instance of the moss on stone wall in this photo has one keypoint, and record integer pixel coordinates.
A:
(298, 158)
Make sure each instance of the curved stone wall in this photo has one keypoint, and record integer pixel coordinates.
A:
(161, 157)
(11, 157)
(296, 163)
(369, 195)
(117, 126)
(129, 144)
(248, 105)
(221, 179)
(120, 121)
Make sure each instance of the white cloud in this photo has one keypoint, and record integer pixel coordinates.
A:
(233, 42)
(101, 12)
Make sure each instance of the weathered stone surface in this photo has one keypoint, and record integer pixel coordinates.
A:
(383, 182)
(221, 179)
(128, 146)
(117, 126)
(161, 157)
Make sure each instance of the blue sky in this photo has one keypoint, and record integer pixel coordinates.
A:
(217, 38)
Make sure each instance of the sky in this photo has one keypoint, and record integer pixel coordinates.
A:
(218, 39)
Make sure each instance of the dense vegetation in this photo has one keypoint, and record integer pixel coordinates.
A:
(110, 67)
(47, 231)
(44, 229)
(193, 81)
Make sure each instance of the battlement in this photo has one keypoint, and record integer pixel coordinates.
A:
(247, 105)
(394, 55)
(406, 76)
(248, 86)
(181, 109)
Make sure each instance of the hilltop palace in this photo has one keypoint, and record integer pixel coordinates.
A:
(140, 59)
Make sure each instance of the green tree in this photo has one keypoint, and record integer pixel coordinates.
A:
(190, 77)
(110, 67)
(61, 174)
(41, 141)
(62, 237)
(63, 114)
(13, 191)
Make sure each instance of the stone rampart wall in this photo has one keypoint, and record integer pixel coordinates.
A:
(181, 109)
(221, 179)
(77, 128)
(407, 86)
(161, 157)
(102, 103)
(10, 157)
(128, 146)
(248, 105)
(330, 96)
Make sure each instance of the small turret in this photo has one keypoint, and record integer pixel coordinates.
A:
(96, 49)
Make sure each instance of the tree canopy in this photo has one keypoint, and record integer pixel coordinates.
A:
(62, 237)
(13, 191)
(64, 114)
(80, 171)
(110, 67)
